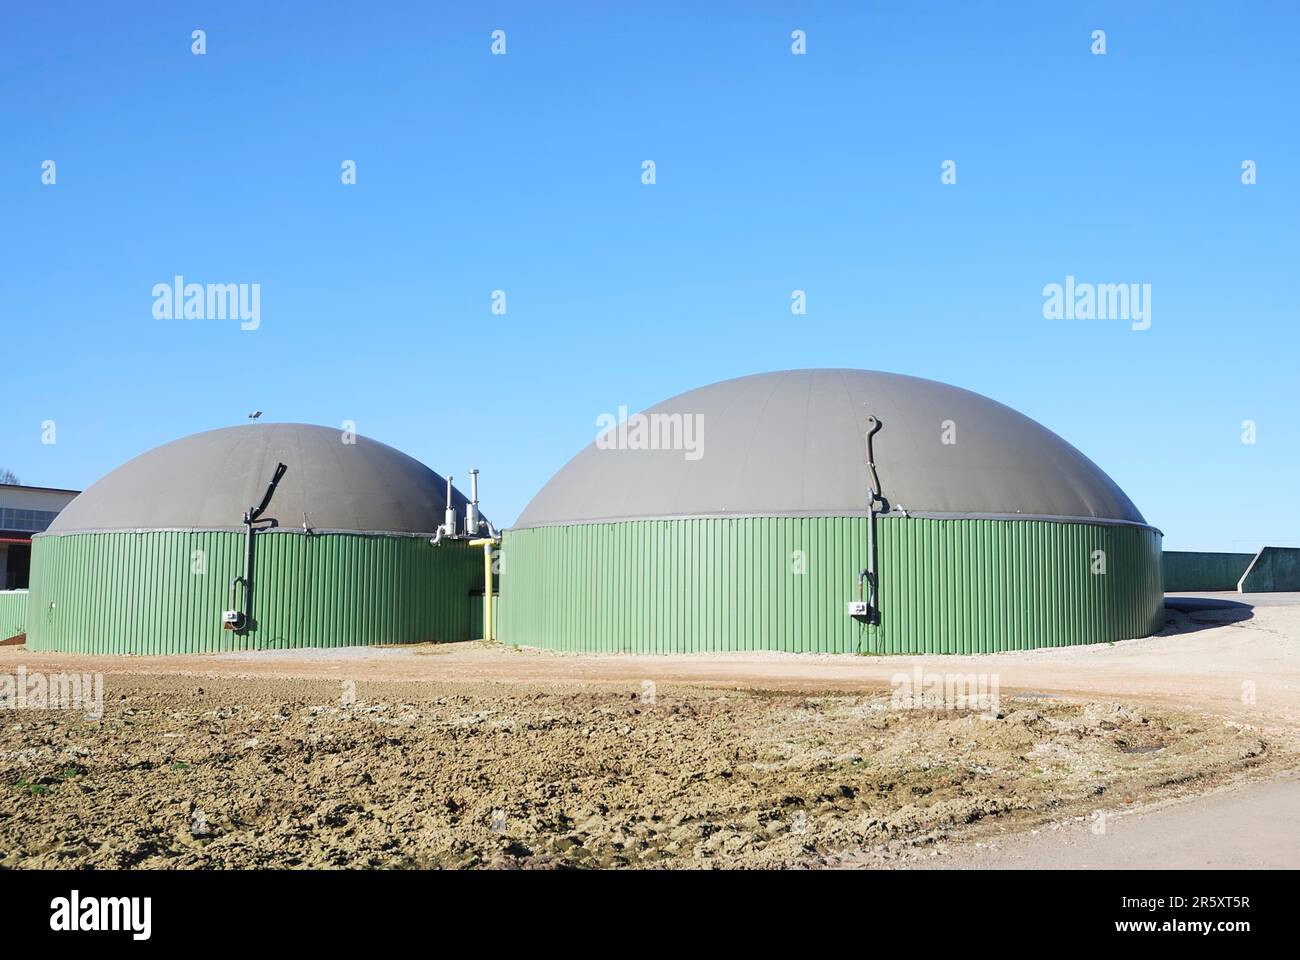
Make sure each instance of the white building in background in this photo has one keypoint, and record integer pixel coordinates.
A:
(23, 512)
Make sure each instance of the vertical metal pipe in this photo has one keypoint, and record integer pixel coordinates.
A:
(471, 512)
(872, 598)
(251, 516)
(248, 572)
(487, 543)
(487, 591)
(873, 503)
(449, 515)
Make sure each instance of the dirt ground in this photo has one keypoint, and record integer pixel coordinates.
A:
(476, 755)
(1249, 824)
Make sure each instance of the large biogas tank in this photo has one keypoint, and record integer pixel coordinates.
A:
(146, 559)
(739, 517)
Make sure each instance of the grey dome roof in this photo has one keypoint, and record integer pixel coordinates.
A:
(791, 443)
(207, 481)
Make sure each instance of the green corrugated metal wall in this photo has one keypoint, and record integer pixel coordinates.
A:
(476, 617)
(947, 586)
(139, 592)
(1188, 570)
(13, 613)
(1273, 569)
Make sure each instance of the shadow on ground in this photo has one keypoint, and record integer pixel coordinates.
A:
(1189, 614)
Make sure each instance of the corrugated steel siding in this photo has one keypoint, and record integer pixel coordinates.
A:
(476, 617)
(13, 613)
(138, 592)
(1273, 569)
(947, 586)
(1186, 570)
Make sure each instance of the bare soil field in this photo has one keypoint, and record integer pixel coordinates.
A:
(474, 755)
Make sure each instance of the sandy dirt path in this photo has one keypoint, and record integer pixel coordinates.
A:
(1250, 826)
(1244, 669)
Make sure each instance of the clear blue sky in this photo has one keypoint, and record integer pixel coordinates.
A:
(775, 172)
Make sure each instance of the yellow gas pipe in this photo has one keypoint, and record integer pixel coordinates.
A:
(487, 543)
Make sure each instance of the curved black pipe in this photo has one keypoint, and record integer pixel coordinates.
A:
(251, 516)
(873, 504)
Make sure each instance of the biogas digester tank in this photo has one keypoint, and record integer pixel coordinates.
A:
(143, 561)
(753, 530)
